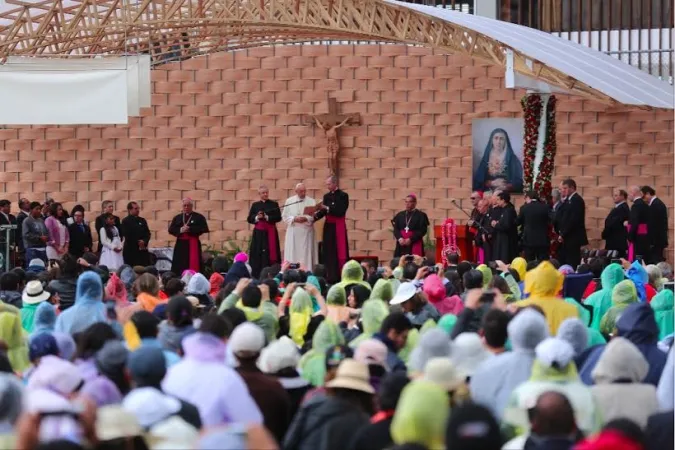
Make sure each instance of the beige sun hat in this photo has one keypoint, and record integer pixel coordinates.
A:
(442, 372)
(353, 375)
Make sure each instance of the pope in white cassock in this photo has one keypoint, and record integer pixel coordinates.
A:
(300, 245)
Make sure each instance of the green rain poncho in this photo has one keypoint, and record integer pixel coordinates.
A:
(594, 336)
(487, 274)
(314, 281)
(447, 323)
(28, 316)
(352, 273)
(373, 313)
(623, 295)
(383, 290)
(421, 415)
(300, 314)
(410, 344)
(313, 364)
(601, 300)
(15, 338)
(336, 296)
(662, 304)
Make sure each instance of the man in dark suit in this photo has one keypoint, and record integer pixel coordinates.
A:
(6, 218)
(572, 224)
(137, 237)
(638, 232)
(615, 233)
(80, 236)
(24, 211)
(658, 225)
(108, 207)
(534, 219)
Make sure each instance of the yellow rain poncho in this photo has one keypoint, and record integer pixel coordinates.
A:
(352, 273)
(12, 333)
(487, 274)
(421, 415)
(313, 363)
(543, 285)
(623, 295)
(300, 314)
(373, 314)
(520, 265)
(383, 290)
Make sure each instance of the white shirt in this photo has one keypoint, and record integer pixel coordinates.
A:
(650, 201)
(619, 204)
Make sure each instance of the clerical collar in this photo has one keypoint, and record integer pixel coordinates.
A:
(650, 201)
(619, 204)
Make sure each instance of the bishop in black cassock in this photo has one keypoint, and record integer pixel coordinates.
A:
(335, 248)
(410, 227)
(264, 250)
(614, 233)
(638, 232)
(136, 237)
(187, 227)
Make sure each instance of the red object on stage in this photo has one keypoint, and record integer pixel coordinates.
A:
(464, 243)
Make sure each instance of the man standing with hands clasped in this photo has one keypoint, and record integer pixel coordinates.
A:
(136, 237)
(187, 227)
(335, 245)
(410, 227)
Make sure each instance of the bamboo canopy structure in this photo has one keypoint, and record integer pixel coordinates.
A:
(178, 29)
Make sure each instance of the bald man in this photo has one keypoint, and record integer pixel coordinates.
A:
(638, 237)
(187, 227)
(264, 215)
(300, 244)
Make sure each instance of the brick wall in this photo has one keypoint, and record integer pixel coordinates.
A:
(221, 125)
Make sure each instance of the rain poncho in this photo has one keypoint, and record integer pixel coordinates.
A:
(28, 316)
(543, 285)
(546, 376)
(520, 266)
(623, 295)
(492, 383)
(13, 335)
(666, 386)
(383, 290)
(575, 333)
(638, 275)
(487, 274)
(88, 308)
(352, 273)
(336, 303)
(215, 282)
(198, 285)
(618, 390)
(45, 318)
(410, 344)
(313, 364)
(116, 290)
(435, 292)
(516, 293)
(300, 314)
(421, 415)
(663, 305)
(636, 324)
(447, 323)
(594, 336)
(601, 300)
(373, 314)
(434, 343)
(655, 277)
(314, 281)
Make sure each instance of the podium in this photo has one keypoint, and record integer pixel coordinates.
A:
(464, 243)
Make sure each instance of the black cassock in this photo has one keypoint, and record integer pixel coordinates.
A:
(505, 234)
(335, 248)
(638, 233)
(264, 250)
(615, 233)
(134, 229)
(187, 254)
(417, 223)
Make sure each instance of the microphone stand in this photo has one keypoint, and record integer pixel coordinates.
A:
(281, 207)
(479, 226)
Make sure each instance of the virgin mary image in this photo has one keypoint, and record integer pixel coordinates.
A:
(499, 168)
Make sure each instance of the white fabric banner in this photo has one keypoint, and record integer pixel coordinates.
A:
(63, 97)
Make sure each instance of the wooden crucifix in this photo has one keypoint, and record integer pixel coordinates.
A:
(330, 124)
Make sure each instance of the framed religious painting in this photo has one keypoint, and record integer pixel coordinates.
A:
(498, 154)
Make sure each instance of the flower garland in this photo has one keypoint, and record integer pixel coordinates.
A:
(531, 105)
(449, 237)
(542, 184)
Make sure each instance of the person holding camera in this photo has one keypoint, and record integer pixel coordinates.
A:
(410, 227)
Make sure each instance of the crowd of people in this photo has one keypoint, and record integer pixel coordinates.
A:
(412, 355)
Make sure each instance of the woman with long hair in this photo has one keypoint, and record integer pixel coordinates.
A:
(112, 243)
(57, 246)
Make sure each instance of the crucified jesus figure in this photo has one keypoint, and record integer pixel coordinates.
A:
(333, 145)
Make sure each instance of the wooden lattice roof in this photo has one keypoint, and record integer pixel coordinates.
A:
(198, 27)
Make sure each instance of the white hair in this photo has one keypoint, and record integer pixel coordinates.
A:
(297, 186)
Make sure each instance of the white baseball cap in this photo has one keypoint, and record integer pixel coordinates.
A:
(405, 292)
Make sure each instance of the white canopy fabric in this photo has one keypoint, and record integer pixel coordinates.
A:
(618, 80)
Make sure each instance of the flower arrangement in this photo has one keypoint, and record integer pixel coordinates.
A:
(542, 184)
(532, 107)
(449, 237)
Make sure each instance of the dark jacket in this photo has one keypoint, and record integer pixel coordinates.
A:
(572, 221)
(534, 218)
(324, 423)
(134, 229)
(19, 224)
(639, 215)
(66, 288)
(296, 387)
(660, 433)
(270, 396)
(393, 361)
(615, 233)
(548, 443)
(374, 436)
(638, 325)
(658, 224)
(80, 237)
(11, 298)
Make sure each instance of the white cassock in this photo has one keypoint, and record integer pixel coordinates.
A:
(300, 244)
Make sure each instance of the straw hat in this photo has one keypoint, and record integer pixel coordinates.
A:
(442, 372)
(34, 293)
(353, 375)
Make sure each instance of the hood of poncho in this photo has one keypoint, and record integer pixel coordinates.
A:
(621, 360)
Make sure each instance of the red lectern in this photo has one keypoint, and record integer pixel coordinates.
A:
(464, 243)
